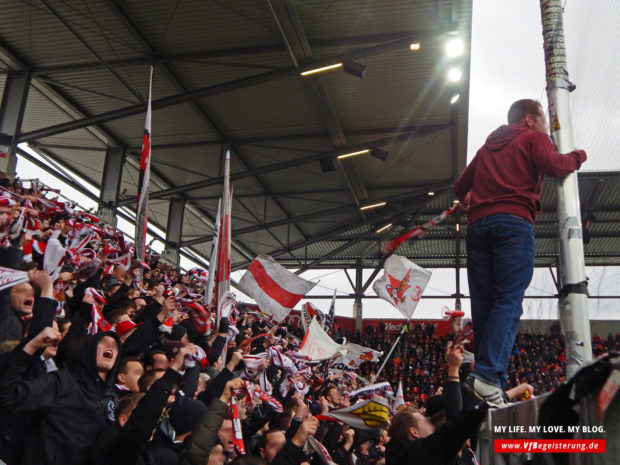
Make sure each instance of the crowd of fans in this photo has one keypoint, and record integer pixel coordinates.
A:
(107, 359)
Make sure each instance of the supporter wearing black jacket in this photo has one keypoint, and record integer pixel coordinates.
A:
(11, 324)
(414, 442)
(73, 405)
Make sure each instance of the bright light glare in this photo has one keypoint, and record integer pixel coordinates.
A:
(320, 70)
(454, 75)
(455, 47)
(454, 99)
(353, 154)
(414, 46)
(374, 205)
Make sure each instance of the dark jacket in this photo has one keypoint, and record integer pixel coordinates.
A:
(11, 325)
(73, 406)
(198, 445)
(440, 447)
(130, 441)
(14, 427)
(506, 174)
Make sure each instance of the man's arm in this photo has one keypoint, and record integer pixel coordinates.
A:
(465, 181)
(548, 161)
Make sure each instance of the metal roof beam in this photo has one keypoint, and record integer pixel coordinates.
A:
(315, 157)
(297, 44)
(102, 60)
(204, 116)
(208, 91)
(199, 57)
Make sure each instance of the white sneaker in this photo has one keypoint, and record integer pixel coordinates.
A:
(492, 395)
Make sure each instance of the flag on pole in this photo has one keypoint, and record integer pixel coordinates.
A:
(402, 284)
(223, 254)
(400, 398)
(357, 355)
(309, 311)
(142, 205)
(365, 415)
(318, 345)
(213, 257)
(329, 322)
(275, 289)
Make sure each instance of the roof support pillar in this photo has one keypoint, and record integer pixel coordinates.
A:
(11, 116)
(174, 230)
(359, 293)
(111, 184)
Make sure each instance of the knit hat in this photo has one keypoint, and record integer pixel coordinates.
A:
(177, 333)
(185, 413)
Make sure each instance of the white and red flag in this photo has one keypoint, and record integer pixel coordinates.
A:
(142, 205)
(402, 284)
(223, 253)
(400, 398)
(357, 355)
(319, 346)
(309, 311)
(275, 289)
(213, 259)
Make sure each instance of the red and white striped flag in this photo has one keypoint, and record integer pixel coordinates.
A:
(223, 254)
(142, 206)
(213, 258)
(275, 289)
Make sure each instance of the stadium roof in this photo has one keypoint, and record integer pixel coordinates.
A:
(227, 75)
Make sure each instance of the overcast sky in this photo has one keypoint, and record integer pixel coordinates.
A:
(507, 64)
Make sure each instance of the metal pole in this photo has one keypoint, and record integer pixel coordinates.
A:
(573, 304)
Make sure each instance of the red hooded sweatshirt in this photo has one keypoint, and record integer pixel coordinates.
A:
(506, 174)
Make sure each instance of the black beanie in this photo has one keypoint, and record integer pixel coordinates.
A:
(185, 413)
(177, 333)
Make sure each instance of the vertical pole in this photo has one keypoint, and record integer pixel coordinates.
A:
(357, 305)
(457, 263)
(573, 304)
(174, 230)
(12, 110)
(110, 184)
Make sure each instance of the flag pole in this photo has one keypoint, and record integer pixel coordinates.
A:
(573, 302)
(142, 204)
(387, 357)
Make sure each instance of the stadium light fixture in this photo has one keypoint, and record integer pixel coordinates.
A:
(384, 228)
(321, 69)
(430, 193)
(354, 69)
(373, 205)
(414, 46)
(378, 153)
(454, 99)
(353, 154)
(455, 47)
(454, 75)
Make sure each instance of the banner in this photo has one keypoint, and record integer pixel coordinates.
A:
(142, 205)
(366, 415)
(402, 284)
(275, 289)
(223, 254)
(357, 355)
(318, 345)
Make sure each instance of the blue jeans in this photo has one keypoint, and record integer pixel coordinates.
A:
(500, 263)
